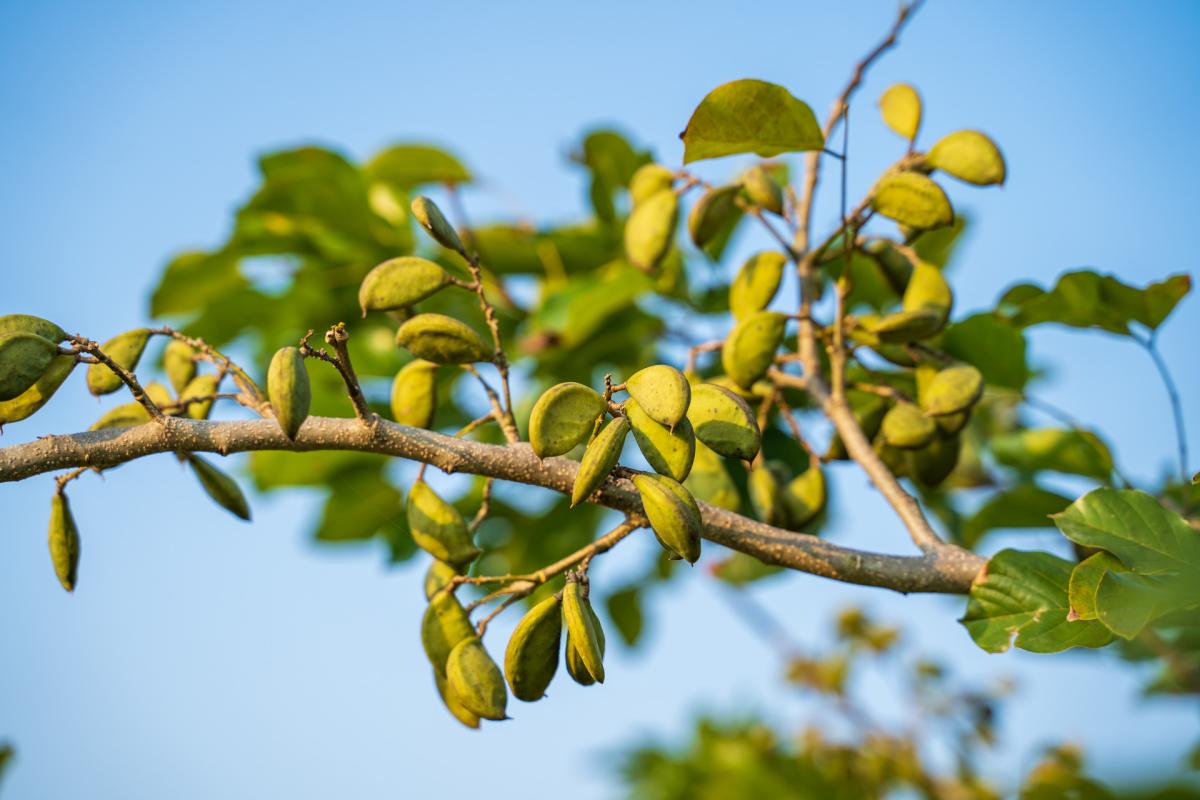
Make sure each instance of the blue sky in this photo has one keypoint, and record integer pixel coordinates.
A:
(201, 657)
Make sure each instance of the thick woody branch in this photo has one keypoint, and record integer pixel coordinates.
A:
(945, 569)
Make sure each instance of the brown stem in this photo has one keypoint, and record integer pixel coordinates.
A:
(86, 345)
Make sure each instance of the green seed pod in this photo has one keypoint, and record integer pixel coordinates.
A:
(905, 427)
(126, 415)
(804, 497)
(650, 229)
(724, 422)
(563, 417)
(583, 629)
(599, 458)
(710, 482)
(414, 394)
(575, 664)
(648, 181)
(749, 349)
(28, 402)
(442, 340)
(201, 386)
(401, 282)
(473, 677)
(437, 576)
(902, 327)
(24, 358)
(912, 199)
(443, 625)
(715, 209)
(125, 350)
(662, 392)
(764, 488)
(220, 487)
(438, 528)
(951, 424)
(673, 515)
(901, 108)
(64, 542)
(289, 390)
(453, 703)
(969, 156)
(952, 390)
(933, 463)
(670, 452)
(436, 225)
(179, 364)
(762, 189)
(531, 658)
(928, 290)
(159, 395)
(756, 283)
(27, 323)
(895, 459)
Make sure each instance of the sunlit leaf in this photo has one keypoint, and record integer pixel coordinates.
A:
(750, 116)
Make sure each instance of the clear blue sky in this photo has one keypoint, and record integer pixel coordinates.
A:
(204, 658)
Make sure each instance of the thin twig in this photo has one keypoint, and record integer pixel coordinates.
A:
(336, 337)
(86, 345)
(1150, 346)
(505, 420)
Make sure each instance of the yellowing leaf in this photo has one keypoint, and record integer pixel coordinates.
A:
(750, 116)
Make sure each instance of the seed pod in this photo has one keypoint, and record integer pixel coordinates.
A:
(414, 394)
(649, 180)
(951, 424)
(27, 323)
(201, 386)
(288, 390)
(220, 487)
(562, 417)
(599, 458)
(804, 497)
(764, 488)
(436, 225)
(901, 108)
(64, 541)
(933, 463)
(969, 156)
(575, 666)
(437, 576)
(443, 625)
(650, 229)
(716, 209)
(749, 349)
(912, 199)
(928, 290)
(24, 358)
(710, 482)
(159, 395)
(179, 364)
(28, 402)
(762, 189)
(756, 283)
(401, 282)
(453, 703)
(662, 392)
(673, 515)
(905, 427)
(125, 350)
(724, 422)
(126, 415)
(438, 528)
(531, 658)
(895, 459)
(473, 677)
(670, 452)
(442, 340)
(583, 629)
(952, 390)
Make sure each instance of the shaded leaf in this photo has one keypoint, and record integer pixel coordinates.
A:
(750, 116)
(1023, 506)
(1087, 299)
(1057, 449)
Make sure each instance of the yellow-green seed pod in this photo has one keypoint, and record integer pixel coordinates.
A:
(951, 424)
(900, 106)
(762, 189)
(401, 282)
(912, 199)
(902, 327)
(724, 422)
(531, 658)
(443, 625)
(179, 363)
(27, 323)
(648, 181)
(715, 209)
(125, 350)
(952, 390)
(414, 394)
(933, 463)
(437, 576)
(201, 386)
(438, 528)
(563, 417)
(969, 156)
(764, 488)
(64, 541)
(431, 218)
(756, 283)
(220, 487)
(28, 402)
(670, 452)
(453, 703)
(905, 427)
(24, 358)
(442, 340)
(710, 482)
(804, 497)
(582, 629)
(650, 229)
(159, 395)
(928, 290)
(475, 680)
(673, 515)
(750, 347)
(662, 391)
(599, 458)
(895, 459)
(126, 415)
(575, 665)
(289, 390)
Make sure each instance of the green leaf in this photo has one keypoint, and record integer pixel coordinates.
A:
(1085, 581)
(406, 166)
(1025, 595)
(361, 505)
(1057, 449)
(993, 346)
(740, 569)
(1147, 537)
(1088, 300)
(750, 116)
(625, 610)
(1022, 506)
(574, 313)
(193, 281)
